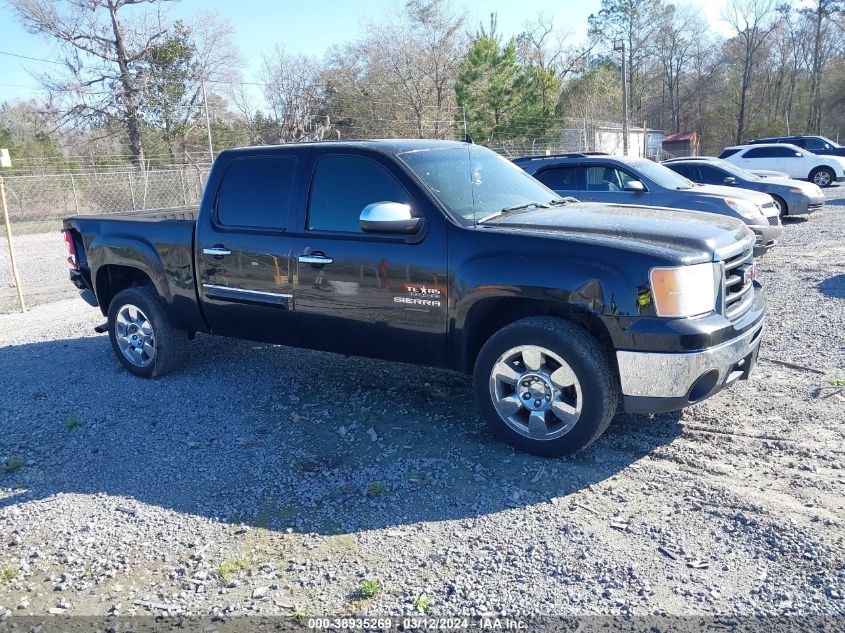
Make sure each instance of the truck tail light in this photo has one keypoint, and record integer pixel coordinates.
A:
(71, 250)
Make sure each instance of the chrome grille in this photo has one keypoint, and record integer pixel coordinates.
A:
(738, 294)
(768, 205)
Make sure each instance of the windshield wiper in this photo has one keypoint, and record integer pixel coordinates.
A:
(516, 207)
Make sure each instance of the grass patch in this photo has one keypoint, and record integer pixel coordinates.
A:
(368, 589)
(424, 603)
(11, 464)
(299, 613)
(230, 567)
(837, 382)
(8, 574)
(73, 423)
(375, 489)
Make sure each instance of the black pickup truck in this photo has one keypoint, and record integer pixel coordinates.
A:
(438, 253)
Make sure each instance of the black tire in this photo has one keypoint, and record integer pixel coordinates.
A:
(818, 172)
(170, 343)
(599, 387)
(781, 203)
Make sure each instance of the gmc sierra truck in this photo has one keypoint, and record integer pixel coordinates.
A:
(444, 254)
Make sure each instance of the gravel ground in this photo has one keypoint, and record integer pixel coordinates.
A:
(268, 480)
(41, 267)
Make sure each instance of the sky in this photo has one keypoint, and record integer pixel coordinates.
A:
(304, 27)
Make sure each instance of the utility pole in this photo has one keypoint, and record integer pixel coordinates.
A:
(619, 45)
(207, 120)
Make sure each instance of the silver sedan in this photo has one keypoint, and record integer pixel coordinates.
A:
(793, 197)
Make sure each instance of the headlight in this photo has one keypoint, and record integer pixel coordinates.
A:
(684, 291)
(744, 208)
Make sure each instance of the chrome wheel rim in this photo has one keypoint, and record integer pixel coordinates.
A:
(822, 179)
(135, 336)
(536, 392)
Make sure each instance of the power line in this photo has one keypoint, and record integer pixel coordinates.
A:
(34, 59)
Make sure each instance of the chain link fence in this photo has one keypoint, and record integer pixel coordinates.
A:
(38, 203)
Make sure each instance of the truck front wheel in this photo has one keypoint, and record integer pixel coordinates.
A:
(142, 334)
(545, 386)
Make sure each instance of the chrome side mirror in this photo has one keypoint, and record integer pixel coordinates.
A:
(635, 186)
(389, 217)
(730, 180)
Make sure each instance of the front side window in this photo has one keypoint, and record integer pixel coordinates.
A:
(783, 152)
(710, 175)
(343, 185)
(256, 192)
(813, 144)
(607, 178)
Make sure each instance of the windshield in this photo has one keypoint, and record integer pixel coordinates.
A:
(832, 143)
(660, 175)
(475, 183)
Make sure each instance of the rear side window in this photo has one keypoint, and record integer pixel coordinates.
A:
(728, 152)
(758, 152)
(560, 178)
(256, 192)
(679, 169)
(343, 186)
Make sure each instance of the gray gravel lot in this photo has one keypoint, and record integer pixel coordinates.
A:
(265, 479)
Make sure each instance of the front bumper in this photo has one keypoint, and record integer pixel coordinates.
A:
(766, 236)
(655, 382)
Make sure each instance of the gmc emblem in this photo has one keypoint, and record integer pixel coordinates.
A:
(749, 274)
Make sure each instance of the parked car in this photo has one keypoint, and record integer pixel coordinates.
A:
(816, 144)
(437, 253)
(789, 159)
(640, 181)
(792, 197)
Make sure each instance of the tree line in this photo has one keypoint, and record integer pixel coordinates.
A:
(130, 84)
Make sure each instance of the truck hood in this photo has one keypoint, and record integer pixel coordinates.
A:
(720, 191)
(686, 236)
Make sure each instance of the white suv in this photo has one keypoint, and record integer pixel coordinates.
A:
(790, 159)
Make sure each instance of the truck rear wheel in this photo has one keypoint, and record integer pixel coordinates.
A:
(142, 334)
(545, 386)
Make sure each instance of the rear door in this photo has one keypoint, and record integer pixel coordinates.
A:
(369, 294)
(244, 249)
(604, 182)
(756, 158)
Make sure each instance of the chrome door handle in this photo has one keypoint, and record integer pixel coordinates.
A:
(315, 259)
(216, 251)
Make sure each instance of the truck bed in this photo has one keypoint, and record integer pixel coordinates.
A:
(150, 215)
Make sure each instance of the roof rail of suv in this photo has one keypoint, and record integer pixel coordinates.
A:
(669, 160)
(521, 159)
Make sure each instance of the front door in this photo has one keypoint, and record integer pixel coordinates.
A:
(244, 269)
(606, 183)
(368, 294)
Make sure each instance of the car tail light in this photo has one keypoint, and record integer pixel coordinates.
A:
(71, 250)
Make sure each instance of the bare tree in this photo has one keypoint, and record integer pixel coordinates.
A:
(399, 79)
(753, 21)
(101, 53)
(293, 89)
(819, 14)
(681, 27)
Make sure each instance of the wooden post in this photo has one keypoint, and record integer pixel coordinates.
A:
(73, 189)
(11, 245)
